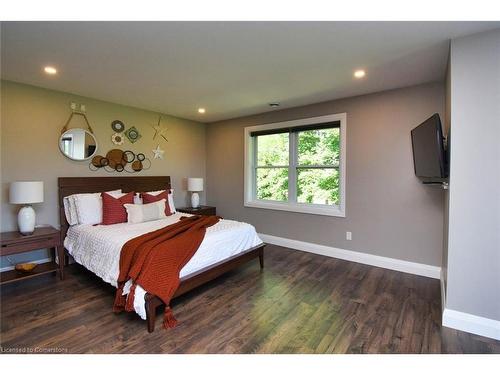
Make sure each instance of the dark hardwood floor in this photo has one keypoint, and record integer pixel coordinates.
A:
(300, 303)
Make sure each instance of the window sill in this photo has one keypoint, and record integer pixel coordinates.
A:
(315, 209)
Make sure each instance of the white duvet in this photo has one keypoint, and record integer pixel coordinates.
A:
(97, 248)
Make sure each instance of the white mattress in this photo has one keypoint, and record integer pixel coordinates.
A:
(98, 248)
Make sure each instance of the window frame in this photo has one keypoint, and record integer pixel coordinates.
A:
(250, 168)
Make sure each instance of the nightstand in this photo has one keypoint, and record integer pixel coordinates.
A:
(42, 238)
(201, 210)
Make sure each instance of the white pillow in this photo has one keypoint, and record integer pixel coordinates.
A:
(139, 213)
(138, 198)
(88, 206)
(171, 201)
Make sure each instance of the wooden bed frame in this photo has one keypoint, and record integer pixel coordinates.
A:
(76, 185)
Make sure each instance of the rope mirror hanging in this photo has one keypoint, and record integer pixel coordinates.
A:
(74, 112)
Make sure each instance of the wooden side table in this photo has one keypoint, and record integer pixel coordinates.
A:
(201, 210)
(43, 237)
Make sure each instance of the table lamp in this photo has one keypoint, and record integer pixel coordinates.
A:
(195, 184)
(26, 193)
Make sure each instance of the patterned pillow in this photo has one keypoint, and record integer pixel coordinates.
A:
(150, 198)
(70, 210)
(113, 210)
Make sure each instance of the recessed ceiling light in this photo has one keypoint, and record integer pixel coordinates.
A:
(274, 105)
(201, 110)
(50, 70)
(359, 73)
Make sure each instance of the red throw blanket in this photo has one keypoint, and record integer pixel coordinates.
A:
(154, 261)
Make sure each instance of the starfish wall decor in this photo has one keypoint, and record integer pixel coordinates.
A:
(160, 130)
(158, 153)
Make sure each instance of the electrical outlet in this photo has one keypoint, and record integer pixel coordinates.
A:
(348, 236)
(73, 106)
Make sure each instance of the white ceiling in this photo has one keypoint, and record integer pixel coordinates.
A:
(230, 68)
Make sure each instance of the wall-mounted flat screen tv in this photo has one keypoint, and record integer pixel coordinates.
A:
(429, 155)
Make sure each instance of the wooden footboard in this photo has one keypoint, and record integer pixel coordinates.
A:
(201, 277)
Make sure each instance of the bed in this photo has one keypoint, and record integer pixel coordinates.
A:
(226, 245)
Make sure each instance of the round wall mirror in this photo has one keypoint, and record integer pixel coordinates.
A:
(78, 144)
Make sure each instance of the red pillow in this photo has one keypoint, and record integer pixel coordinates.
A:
(113, 209)
(148, 198)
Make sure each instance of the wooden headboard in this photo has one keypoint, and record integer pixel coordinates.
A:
(76, 185)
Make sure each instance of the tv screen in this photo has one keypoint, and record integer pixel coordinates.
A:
(429, 158)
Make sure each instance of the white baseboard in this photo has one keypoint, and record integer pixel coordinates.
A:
(354, 256)
(471, 323)
(443, 292)
(38, 261)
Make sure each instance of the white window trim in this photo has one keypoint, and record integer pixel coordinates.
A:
(318, 209)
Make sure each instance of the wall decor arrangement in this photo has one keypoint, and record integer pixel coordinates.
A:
(117, 160)
(160, 130)
(132, 134)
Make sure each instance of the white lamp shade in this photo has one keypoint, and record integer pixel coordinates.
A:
(195, 184)
(26, 192)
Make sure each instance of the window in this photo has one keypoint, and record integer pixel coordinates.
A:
(67, 144)
(297, 165)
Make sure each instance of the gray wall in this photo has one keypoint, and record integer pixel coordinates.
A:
(389, 212)
(474, 212)
(446, 131)
(31, 121)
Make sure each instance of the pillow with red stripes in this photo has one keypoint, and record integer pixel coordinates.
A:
(150, 198)
(113, 209)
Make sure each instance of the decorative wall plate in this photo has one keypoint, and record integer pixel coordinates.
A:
(117, 139)
(115, 157)
(99, 161)
(132, 134)
(137, 166)
(128, 156)
(118, 126)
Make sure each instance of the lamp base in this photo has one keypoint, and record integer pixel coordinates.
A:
(195, 200)
(26, 220)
